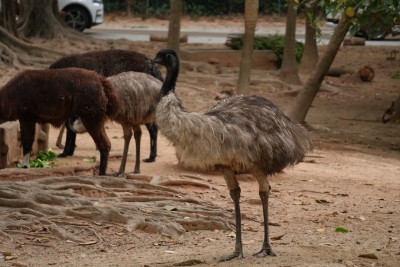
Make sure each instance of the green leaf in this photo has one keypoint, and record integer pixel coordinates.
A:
(341, 230)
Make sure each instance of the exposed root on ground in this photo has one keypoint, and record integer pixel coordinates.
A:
(70, 207)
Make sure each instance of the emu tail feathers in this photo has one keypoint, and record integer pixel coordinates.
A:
(113, 102)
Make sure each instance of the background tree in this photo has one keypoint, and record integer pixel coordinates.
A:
(174, 27)
(383, 13)
(310, 54)
(38, 19)
(289, 72)
(250, 22)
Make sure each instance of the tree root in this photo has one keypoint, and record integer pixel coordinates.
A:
(65, 208)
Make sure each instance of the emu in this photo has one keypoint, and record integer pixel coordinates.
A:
(392, 114)
(53, 96)
(108, 63)
(240, 134)
(138, 95)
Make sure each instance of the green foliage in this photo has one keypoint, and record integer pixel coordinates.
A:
(372, 17)
(341, 230)
(43, 160)
(396, 75)
(270, 42)
(196, 7)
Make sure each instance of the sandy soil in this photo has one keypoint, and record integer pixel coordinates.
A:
(351, 180)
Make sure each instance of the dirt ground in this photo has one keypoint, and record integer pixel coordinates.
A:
(350, 181)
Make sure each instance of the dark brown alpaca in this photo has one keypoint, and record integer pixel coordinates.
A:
(109, 63)
(53, 96)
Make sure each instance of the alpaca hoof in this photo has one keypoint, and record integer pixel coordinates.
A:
(237, 255)
(264, 252)
(151, 159)
(61, 146)
(136, 171)
(64, 155)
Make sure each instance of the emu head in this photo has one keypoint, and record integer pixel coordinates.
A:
(390, 114)
(166, 57)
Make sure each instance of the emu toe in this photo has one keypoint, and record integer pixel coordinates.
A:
(236, 254)
(264, 252)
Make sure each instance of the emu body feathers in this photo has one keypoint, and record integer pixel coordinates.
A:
(241, 133)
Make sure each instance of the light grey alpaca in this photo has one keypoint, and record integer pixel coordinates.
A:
(138, 95)
(242, 133)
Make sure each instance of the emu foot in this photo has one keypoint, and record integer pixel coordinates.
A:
(151, 159)
(236, 254)
(265, 252)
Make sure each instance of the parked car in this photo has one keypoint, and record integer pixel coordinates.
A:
(82, 14)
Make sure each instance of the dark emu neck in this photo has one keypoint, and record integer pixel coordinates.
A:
(171, 76)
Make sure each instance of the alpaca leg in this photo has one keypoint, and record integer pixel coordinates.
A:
(127, 139)
(137, 133)
(153, 130)
(69, 147)
(27, 138)
(264, 193)
(60, 136)
(234, 190)
(103, 143)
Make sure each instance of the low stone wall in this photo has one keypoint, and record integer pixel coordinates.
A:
(261, 59)
(10, 142)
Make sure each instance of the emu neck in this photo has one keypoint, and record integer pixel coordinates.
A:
(170, 79)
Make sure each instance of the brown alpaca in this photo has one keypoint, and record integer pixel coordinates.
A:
(54, 96)
(109, 63)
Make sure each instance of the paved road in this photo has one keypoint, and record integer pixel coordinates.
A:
(207, 37)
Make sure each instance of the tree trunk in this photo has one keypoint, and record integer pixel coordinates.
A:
(289, 71)
(8, 16)
(250, 21)
(310, 54)
(37, 19)
(306, 96)
(174, 28)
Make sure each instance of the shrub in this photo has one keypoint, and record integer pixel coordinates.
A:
(270, 42)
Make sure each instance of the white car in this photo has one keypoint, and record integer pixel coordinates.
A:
(82, 14)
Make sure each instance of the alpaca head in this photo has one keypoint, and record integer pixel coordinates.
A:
(167, 58)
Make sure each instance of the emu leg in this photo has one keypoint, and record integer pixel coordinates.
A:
(103, 143)
(27, 138)
(127, 139)
(137, 133)
(234, 189)
(264, 193)
(60, 136)
(69, 147)
(153, 130)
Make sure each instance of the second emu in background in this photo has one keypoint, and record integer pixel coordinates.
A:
(109, 63)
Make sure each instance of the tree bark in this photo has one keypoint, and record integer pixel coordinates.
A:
(289, 71)
(38, 19)
(250, 21)
(8, 16)
(174, 27)
(310, 54)
(306, 96)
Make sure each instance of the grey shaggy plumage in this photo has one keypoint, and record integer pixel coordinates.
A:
(241, 133)
(138, 94)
